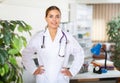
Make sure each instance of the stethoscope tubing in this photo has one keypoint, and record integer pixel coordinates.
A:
(60, 41)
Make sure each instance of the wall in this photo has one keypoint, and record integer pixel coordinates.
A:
(31, 11)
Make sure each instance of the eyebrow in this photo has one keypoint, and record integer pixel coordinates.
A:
(55, 15)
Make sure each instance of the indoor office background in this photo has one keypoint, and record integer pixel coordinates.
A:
(85, 19)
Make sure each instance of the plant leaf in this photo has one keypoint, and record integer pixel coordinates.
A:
(13, 60)
(17, 43)
(3, 56)
(13, 51)
(2, 71)
(6, 67)
(24, 41)
(20, 29)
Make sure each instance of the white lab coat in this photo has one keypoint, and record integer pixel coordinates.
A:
(48, 57)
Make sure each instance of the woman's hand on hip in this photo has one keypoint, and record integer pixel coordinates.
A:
(66, 72)
(39, 70)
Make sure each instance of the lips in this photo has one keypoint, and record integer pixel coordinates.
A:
(54, 24)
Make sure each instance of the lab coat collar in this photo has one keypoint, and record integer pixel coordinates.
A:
(59, 32)
(46, 32)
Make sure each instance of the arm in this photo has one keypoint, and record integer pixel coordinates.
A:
(30, 53)
(27, 59)
(78, 54)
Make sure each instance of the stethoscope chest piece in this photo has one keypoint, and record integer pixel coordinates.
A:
(42, 46)
(62, 48)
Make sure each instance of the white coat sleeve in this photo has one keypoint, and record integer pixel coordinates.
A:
(29, 53)
(27, 59)
(78, 54)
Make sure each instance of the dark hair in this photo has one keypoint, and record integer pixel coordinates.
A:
(52, 8)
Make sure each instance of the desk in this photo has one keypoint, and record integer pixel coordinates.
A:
(94, 76)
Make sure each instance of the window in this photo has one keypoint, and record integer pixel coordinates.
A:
(102, 13)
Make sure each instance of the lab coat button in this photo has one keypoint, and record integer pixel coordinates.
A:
(35, 53)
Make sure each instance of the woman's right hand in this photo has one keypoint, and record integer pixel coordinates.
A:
(39, 70)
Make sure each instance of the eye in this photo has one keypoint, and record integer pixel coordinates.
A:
(51, 16)
(58, 16)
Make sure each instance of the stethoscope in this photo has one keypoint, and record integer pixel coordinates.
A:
(62, 45)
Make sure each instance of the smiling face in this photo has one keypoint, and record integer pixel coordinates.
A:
(53, 18)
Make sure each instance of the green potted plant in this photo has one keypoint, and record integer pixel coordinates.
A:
(113, 32)
(11, 43)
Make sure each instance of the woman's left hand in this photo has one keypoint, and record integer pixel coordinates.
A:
(39, 70)
(66, 72)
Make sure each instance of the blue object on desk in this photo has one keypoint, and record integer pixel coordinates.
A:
(96, 51)
(103, 70)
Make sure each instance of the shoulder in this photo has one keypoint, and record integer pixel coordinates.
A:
(37, 35)
(69, 35)
(71, 39)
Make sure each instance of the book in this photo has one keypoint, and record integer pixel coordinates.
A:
(101, 63)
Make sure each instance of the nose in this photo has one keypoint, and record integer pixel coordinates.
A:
(54, 18)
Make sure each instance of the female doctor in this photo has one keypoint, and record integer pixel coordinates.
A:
(52, 48)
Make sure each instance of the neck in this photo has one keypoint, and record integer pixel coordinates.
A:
(52, 33)
(52, 30)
